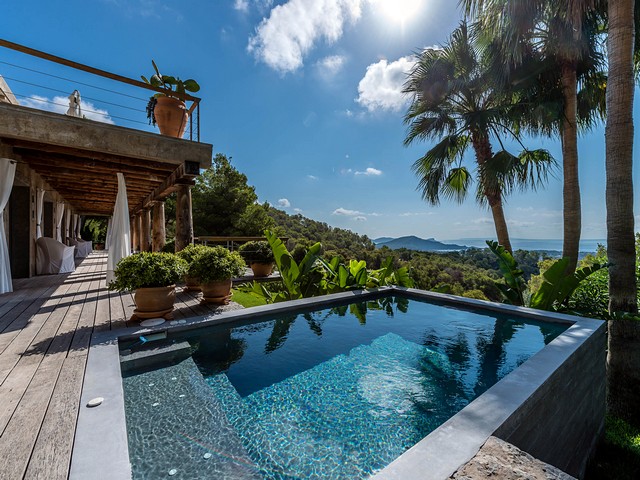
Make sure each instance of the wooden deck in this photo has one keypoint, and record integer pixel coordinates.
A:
(45, 329)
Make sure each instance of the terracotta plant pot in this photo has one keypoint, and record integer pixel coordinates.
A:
(216, 292)
(192, 284)
(171, 116)
(261, 269)
(154, 302)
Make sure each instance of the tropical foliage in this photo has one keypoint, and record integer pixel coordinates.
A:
(555, 289)
(313, 276)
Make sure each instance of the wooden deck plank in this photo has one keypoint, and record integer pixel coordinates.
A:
(51, 456)
(25, 424)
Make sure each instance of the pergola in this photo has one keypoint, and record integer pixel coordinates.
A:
(79, 159)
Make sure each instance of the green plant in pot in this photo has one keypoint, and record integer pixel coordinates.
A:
(215, 268)
(189, 254)
(259, 257)
(152, 278)
(167, 109)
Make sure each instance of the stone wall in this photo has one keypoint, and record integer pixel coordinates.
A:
(561, 422)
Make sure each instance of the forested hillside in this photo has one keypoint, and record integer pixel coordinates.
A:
(225, 204)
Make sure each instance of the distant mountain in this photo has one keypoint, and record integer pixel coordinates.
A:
(382, 240)
(415, 243)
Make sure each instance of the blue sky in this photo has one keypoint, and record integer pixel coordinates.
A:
(302, 94)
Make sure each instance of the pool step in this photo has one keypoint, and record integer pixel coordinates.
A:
(176, 423)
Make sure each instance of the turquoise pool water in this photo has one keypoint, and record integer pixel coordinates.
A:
(335, 393)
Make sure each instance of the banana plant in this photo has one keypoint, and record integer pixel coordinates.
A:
(514, 285)
(556, 289)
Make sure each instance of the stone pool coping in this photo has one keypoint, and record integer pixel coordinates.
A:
(101, 449)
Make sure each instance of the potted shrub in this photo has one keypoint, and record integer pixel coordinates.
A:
(215, 267)
(189, 255)
(152, 278)
(259, 257)
(168, 109)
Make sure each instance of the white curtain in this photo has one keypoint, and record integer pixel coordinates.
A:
(7, 172)
(39, 211)
(120, 243)
(67, 223)
(107, 241)
(59, 214)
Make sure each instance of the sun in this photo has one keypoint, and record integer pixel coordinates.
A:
(399, 11)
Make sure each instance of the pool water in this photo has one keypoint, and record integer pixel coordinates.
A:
(334, 393)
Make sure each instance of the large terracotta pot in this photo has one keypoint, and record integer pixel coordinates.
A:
(216, 292)
(171, 116)
(154, 302)
(261, 269)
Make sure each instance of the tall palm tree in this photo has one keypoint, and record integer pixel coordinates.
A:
(456, 100)
(623, 356)
(619, 157)
(558, 30)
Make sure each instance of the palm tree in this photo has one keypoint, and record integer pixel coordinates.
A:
(623, 355)
(456, 100)
(558, 30)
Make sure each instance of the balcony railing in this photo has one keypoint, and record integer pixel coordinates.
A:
(33, 83)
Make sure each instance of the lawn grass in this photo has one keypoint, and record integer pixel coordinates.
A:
(618, 455)
(246, 300)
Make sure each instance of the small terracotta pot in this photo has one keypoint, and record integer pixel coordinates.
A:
(216, 292)
(155, 301)
(171, 116)
(261, 269)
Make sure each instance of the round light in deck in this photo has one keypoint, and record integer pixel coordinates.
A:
(152, 322)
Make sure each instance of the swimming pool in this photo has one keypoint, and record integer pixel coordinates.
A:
(333, 393)
(264, 392)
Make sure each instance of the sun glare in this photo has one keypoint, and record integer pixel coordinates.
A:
(400, 11)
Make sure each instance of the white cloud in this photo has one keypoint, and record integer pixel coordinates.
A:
(312, 177)
(309, 119)
(370, 172)
(244, 5)
(297, 210)
(60, 104)
(241, 5)
(360, 218)
(415, 214)
(329, 67)
(345, 171)
(346, 212)
(381, 86)
(293, 28)
(482, 221)
(519, 223)
(283, 202)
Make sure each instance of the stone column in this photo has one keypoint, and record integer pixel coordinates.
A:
(184, 217)
(158, 229)
(145, 230)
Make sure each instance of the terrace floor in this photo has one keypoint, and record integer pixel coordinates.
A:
(45, 331)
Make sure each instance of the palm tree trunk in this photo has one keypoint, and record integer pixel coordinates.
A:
(492, 192)
(623, 357)
(619, 159)
(571, 188)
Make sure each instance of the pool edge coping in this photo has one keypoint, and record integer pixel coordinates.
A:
(100, 448)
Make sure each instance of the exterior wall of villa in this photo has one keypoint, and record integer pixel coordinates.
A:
(563, 420)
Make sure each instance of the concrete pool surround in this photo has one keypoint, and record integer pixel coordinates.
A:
(552, 406)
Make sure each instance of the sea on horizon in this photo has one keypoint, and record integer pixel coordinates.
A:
(586, 246)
